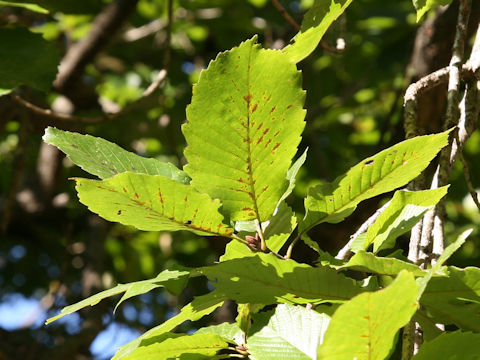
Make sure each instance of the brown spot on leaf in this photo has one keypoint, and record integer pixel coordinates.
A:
(246, 209)
(273, 109)
(247, 98)
(74, 146)
(125, 190)
(369, 162)
(254, 108)
(276, 133)
(395, 151)
(119, 212)
(185, 198)
(289, 106)
(136, 196)
(277, 145)
(161, 197)
(260, 139)
(266, 131)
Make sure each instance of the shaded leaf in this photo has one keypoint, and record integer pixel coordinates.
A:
(289, 332)
(423, 6)
(133, 289)
(292, 174)
(105, 159)
(197, 346)
(20, 63)
(280, 227)
(152, 203)
(198, 308)
(276, 280)
(456, 345)
(368, 262)
(235, 250)
(315, 23)
(244, 126)
(28, 6)
(454, 299)
(365, 327)
(383, 172)
(404, 211)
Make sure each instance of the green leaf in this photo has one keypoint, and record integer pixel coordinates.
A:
(244, 126)
(423, 6)
(133, 289)
(449, 250)
(28, 6)
(289, 332)
(404, 211)
(455, 345)
(197, 346)
(367, 262)
(20, 63)
(455, 299)
(365, 327)
(227, 331)
(235, 250)
(198, 308)
(152, 203)
(276, 280)
(315, 24)
(280, 227)
(381, 173)
(292, 174)
(105, 159)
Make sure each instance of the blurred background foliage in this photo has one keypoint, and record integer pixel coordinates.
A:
(53, 252)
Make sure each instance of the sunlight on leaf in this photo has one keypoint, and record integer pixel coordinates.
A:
(244, 126)
(152, 203)
(365, 327)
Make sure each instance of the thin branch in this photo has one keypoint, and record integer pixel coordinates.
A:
(345, 252)
(286, 15)
(55, 116)
(81, 53)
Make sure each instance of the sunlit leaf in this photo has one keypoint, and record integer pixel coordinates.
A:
(315, 23)
(423, 6)
(244, 126)
(449, 250)
(456, 345)
(152, 203)
(198, 308)
(20, 63)
(383, 172)
(197, 346)
(25, 5)
(105, 159)
(289, 332)
(400, 216)
(133, 289)
(276, 280)
(365, 327)
(229, 331)
(368, 262)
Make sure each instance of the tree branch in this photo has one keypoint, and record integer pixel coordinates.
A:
(56, 116)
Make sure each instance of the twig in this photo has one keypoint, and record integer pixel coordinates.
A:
(285, 14)
(143, 31)
(345, 252)
(339, 49)
(55, 116)
(81, 53)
